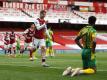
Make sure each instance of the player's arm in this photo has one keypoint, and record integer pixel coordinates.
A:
(77, 40)
(38, 26)
(94, 42)
(25, 36)
(93, 46)
(25, 32)
(82, 32)
(4, 39)
(52, 37)
(32, 39)
(15, 36)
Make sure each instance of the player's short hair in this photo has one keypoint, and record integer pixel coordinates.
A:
(42, 11)
(92, 20)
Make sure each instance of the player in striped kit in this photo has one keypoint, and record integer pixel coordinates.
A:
(88, 45)
(49, 43)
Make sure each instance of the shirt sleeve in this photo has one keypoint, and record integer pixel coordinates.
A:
(94, 34)
(3, 37)
(38, 26)
(26, 31)
(82, 32)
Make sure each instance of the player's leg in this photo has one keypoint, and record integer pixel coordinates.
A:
(35, 46)
(5, 49)
(13, 50)
(47, 51)
(35, 51)
(26, 47)
(47, 48)
(87, 71)
(86, 58)
(92, 62)
(10, 49)
(89, 61)
(79, 71)
(49, 45)
(67, 71)
(51, 49)
(21, 49)
(43, 52)
(18, 49)
(75, 72)
(32, 51)
(31, 57)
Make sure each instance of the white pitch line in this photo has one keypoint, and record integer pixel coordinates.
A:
(48, 67)
(57, 67)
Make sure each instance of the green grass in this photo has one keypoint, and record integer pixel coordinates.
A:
(21, 68)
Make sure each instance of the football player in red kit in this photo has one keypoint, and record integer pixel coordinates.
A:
(39, 36)
(28, 34)
(12, 44)
(6, 42)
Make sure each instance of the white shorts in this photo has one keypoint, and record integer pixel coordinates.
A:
(13, 45)
(38, 43)
(6, 46)
(28, 45)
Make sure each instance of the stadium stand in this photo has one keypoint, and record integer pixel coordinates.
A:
(11, 12)
(61, 39)
(74, 16)
(55, 15)
(91, 0)
(85, 15)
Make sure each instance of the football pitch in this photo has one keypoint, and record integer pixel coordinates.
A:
(20, 68)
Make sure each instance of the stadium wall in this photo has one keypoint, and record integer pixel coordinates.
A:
(55, 26)
(70, 26)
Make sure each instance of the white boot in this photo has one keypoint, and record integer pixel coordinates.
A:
(67, 71)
